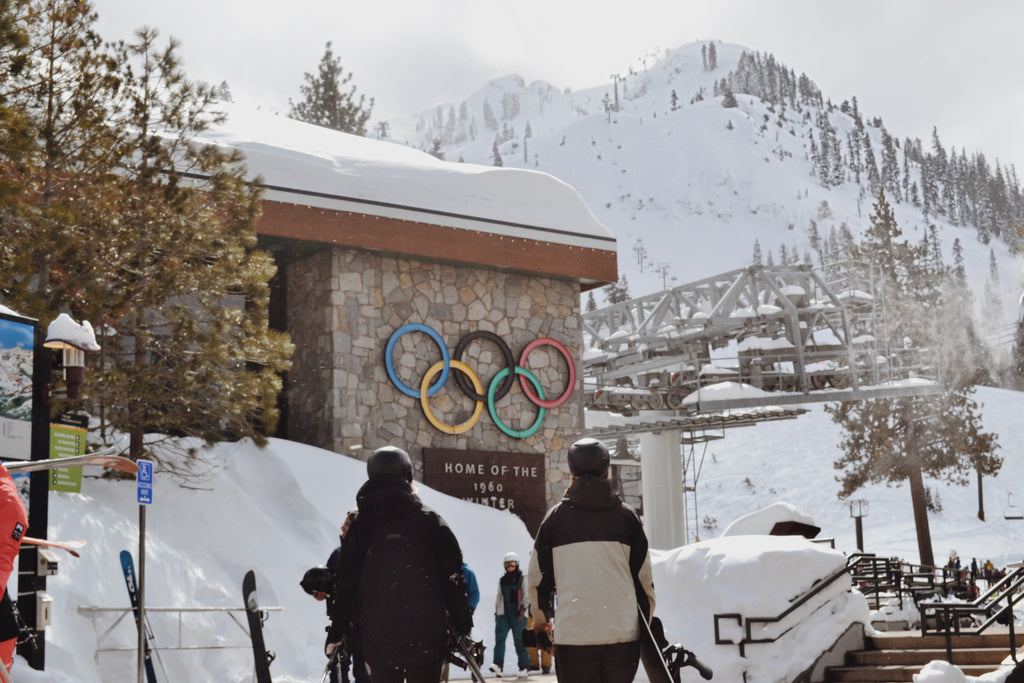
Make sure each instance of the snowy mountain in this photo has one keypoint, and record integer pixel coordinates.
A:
(688, 186)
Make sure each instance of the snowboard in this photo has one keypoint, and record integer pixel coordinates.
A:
(116, 462)
(128, 569)
(662, 661)
(256, 617)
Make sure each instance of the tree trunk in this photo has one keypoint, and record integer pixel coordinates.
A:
(981, 497)
(917, 492)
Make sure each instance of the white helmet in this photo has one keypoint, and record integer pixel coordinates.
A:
(511, 557)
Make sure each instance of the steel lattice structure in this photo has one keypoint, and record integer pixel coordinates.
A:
(787, 335)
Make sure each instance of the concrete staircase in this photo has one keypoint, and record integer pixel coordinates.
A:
(898, 655)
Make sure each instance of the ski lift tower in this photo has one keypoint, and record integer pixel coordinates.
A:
(740, 348)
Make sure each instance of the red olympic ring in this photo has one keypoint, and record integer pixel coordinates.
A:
(530, 394)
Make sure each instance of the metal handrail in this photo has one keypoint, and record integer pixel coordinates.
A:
(748, 622)
(947, 614)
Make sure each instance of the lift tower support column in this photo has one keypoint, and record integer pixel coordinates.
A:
(661, 467)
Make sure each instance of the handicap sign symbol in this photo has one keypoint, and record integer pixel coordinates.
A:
(145, 481)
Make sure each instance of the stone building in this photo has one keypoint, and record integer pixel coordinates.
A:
(402, 279)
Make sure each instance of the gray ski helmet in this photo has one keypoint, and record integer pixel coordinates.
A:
(391, 461)
(589, 456)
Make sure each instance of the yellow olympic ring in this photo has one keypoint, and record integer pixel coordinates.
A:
(425, 400)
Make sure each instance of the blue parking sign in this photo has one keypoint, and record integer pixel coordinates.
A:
(145, 481)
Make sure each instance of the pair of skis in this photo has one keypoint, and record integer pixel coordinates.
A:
(116, 462)
(255, 615)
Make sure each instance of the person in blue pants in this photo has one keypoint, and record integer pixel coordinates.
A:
(510, 610)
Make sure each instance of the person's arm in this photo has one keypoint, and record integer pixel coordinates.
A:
(453, 585)
(524, 597)
(346, 578)
(640, 567)
(472, 589)
(541, 581)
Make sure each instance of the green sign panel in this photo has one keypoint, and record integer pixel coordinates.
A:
(65, 441)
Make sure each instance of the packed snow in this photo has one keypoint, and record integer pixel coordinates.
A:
(278, 510)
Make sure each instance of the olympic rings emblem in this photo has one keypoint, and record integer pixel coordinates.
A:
(469, 382)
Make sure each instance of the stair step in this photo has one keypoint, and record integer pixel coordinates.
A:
(896, 640)
(921, 656)
(891, 673)
(894, 657)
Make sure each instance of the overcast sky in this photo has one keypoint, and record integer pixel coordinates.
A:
(915, 63)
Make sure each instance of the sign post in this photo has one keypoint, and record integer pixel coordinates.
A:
(67, 438)
(144, 477)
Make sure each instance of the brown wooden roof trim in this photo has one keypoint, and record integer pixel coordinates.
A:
(589, 266)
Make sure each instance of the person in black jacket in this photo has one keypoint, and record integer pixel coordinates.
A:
(591, 551)
(400, 577)
(319, 582)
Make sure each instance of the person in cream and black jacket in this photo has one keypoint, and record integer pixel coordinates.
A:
(592, 553)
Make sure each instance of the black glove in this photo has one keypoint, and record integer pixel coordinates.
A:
(337, 640)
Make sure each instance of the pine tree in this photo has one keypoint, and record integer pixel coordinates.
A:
(897, 440)
(15, 126)
(1018, 357)
(618, 292)
(325, 104)
(728, 99)
(65, 100)
(176, 276)
(992, 304)
(489, 120)
(435, 149)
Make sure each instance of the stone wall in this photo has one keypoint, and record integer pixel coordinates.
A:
(343, 306)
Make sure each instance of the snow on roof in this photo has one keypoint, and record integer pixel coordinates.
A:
(305, 164)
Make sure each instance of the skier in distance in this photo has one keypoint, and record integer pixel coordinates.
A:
(510, 609)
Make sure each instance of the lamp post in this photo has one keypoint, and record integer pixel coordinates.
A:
(74, 340)
(858, 510)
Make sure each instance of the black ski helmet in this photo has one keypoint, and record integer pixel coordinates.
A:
(391, 461)
(317, 580)
(589, 456)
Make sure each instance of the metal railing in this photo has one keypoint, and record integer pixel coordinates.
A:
(750, 624)
(991, 607)
(123, 612)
